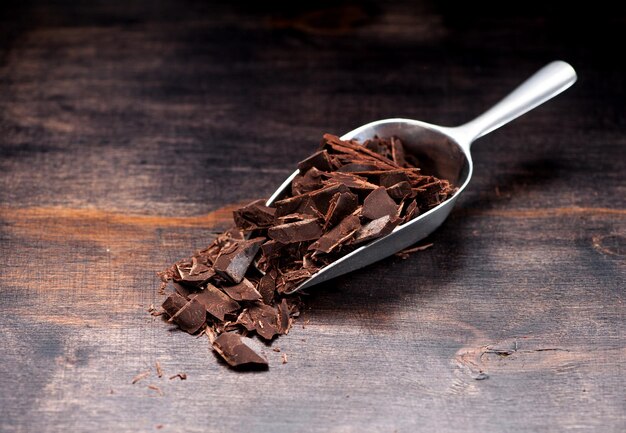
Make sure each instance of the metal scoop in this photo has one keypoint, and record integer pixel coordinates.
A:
(443, 152)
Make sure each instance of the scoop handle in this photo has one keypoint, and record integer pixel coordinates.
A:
(545, 84)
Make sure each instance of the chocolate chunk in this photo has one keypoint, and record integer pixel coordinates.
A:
(378, 204)
(244, 291)
(265, 320)
(400, 190)
(271, 248)
(197, 278)
(173, 303)
(244, 319)
(267, 286)
(341, 205)
(234, 265)
(254, 215)
(390, 178)
(198, 267)
(216, 302)
(376, 229)
(338, 235)
(237, 351)
(190, 317)
(319, 160)
(297, 231)
(307, 182)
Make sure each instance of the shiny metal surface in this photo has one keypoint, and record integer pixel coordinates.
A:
(443, 152)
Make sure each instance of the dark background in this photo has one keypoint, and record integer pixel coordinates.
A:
(130, 130)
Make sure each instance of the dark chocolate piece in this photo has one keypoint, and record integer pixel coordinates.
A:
(237, 350)
(341, 205)
(339, 235)
(244, 291)
(173, 303)
(376, 229)
(216, 302)
(267, 286)
(198, 279)
(297, 231)
(400, 190)
(265, 320)
(234, 265)
(378, 204)
(307, 182)
(319, 160)
(191, 317)
(254, 215)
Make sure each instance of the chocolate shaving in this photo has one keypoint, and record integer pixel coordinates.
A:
(140, 377)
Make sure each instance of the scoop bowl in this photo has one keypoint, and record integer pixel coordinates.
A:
(443, 152)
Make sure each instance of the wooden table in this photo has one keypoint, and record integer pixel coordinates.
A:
(130, 130)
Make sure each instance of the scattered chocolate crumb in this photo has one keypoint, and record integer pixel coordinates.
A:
(157, 389)
(181, 376)
(276, 349)
(346, 194)
(140, 376)
(158, 369)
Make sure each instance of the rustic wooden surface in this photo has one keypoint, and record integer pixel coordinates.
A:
(129, 130)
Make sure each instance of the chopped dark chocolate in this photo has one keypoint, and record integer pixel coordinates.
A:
(198, 278)
(265, 320)
(376, 229)
(267, 286)
(216, 302)
(173, 303)
(296, 231)
(319, 160)
(190, 317)
(234, 265)
(378, 204)
(400, 190)
(254, 215)
(338, 235)
(236, 350)
(346, 194)
(307, 182)
(244, 291)
(341, 205)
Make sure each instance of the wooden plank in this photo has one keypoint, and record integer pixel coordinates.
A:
(128, 134)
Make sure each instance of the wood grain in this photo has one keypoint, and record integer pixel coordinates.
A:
(129, 132)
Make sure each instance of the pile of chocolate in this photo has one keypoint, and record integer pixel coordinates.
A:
(345, 195)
